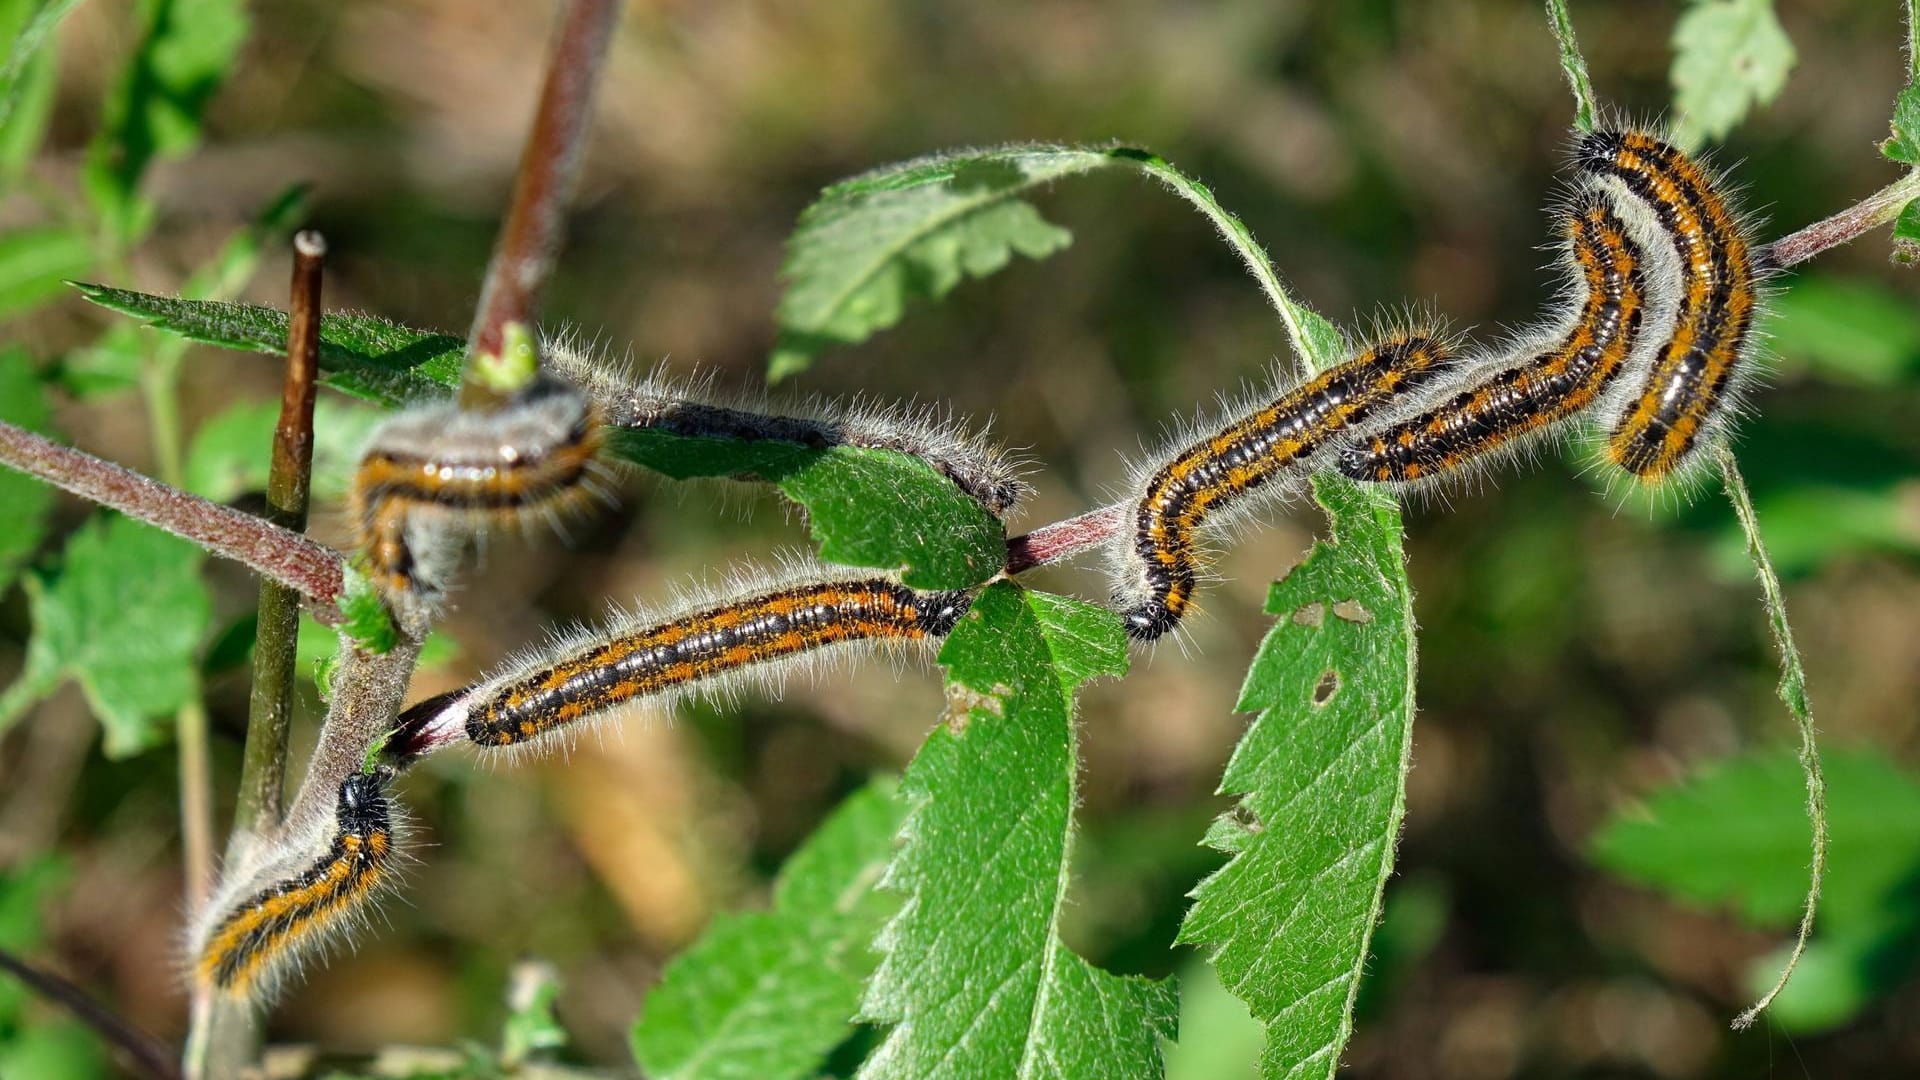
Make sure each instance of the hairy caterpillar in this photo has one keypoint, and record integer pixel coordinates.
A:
(1538, 385)
(266, 919)
(983, 470)
(1221, 471)
(697, 649)
(1692, 381)
(429, 469)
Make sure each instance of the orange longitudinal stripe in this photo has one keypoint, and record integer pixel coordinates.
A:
(1248, 453)
(571, 688)
(1689, 378)
(275, 920)
(1540, 389)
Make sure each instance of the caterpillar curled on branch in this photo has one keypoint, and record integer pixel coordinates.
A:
(1707, 358)
(705, 647)
(304, 891)
(431, 476)
(1658, 340)
(1534, 386)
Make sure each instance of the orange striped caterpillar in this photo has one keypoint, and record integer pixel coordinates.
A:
(267, 919)
(1548, 382)
(1223, 470)
(428, 470)
(1692, 384)
(701, 648)
(430, 476)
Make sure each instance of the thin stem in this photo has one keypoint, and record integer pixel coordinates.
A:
(1062, 540)
(1314, 339)
(139, 1047)
(1862, 217)
(1793, 694)
(270, 707)
(1913, 41)
(1573, 64)
(313, 570)
(530, 236)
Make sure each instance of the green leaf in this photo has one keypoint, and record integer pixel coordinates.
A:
(1906, 235)
(230, 454)
(1729, 55)
(974, 978)
(27, 500)
(1321, 773)
(766, 996)
(915, 229)
(186, 49)
(27, 91)
(876, 508)
(124, 618)
(1735, 835)
(531, 1030)
(34, 262)
(27, 24)
(363, 355)
(1849, 328)
(1903, 145)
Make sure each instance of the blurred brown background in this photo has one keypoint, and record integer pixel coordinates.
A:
(1573, 652)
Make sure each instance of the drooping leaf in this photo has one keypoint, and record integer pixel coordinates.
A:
(869, 244)
(186, 49)
(1749, 812)
(123, 617)
(1729, 56)
(26, 500)
(34, 262)
(974, 978)
(766, 996)
(876, 508)
(363, 355)
(1321, 775)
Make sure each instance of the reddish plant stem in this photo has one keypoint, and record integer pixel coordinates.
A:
(1849, 224)
(313, 570)
(1062, 540)
(530, 237)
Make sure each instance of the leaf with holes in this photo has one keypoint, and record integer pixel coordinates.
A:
(974, 979)
(1321, 776)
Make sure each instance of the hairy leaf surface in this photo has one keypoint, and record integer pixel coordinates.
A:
(1321, 774)
(975, 980)
(766, 996)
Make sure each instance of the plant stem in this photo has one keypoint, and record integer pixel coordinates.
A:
(314, 570)
(530, 236)
(270, 706)
(1573, 64)
(1793, 694)
(1862, 217)
(139, 1047)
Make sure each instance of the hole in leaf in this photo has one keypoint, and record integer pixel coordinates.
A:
(1328, 686)
(1244, 817)
(1353, 611)
(1310, 615)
